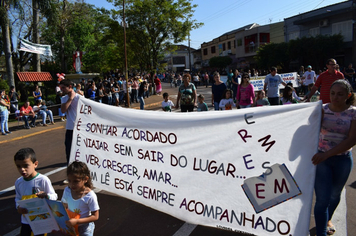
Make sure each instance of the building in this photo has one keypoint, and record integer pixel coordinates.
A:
(329, 20)
(224, 45)
(182, 58)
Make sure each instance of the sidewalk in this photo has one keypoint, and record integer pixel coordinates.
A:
(154, 102)
(18, 131)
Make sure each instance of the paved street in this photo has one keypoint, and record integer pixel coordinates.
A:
(118, 216)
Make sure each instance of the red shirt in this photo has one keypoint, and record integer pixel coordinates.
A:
(325, 80)
(25, 110)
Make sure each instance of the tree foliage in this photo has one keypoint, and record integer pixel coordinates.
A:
(220, 62)
(155, 25)
(307, 50)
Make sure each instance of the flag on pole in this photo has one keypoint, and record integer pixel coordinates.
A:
(27, 46)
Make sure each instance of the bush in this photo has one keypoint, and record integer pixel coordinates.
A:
(4, 85)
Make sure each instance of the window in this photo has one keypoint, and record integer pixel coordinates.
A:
(224, 47)
(239, 42)
(213, 49)
(293, 35)
(205, 51)
(314, 31)
(229, 45)
(178, 60)
(344, 28)
(234, 43)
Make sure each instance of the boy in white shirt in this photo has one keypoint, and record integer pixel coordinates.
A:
(167, 104)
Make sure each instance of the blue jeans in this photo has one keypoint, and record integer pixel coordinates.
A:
(142, 103)
(330, 179)
(44, 116)
(50, 114)
(86, 229)
(27, 118)
(246, 106)
(216, 106)
(4, 116)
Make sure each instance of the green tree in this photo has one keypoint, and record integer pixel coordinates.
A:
(273, 54)
(158, 24)
(220, 62)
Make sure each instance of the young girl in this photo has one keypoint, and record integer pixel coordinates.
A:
(288, 96)
(261, 99)
(79, 197)
(226, 103)
(334, 158)
(245, 96)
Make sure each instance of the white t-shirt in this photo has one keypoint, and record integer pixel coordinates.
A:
(28, 187)
(84, 206)
(309, 77)
(168, 104)
(72, 111)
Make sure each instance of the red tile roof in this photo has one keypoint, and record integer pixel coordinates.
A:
(34, 76)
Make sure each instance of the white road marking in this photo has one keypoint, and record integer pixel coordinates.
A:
(185, 230)
(47, 174)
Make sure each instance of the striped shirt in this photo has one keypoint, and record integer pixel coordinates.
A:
(325, 80)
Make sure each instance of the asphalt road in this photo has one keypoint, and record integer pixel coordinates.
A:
(118, 216)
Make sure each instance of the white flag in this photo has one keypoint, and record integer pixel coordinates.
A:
(27, 46)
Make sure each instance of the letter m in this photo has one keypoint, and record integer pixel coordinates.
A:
(265, 142)
(153, 175)
(280, 187)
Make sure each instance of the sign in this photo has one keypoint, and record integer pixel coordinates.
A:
(235, 170)
(27, 46)
(259, 81)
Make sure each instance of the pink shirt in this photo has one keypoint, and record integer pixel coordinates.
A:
(335, 127)
(246, 95)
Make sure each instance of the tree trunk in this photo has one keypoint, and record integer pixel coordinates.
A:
(36, 38)
(7, 50)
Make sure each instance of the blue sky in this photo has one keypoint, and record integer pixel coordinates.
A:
(223, 16)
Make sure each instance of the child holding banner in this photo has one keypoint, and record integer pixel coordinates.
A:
(79, 197)
(334, 159)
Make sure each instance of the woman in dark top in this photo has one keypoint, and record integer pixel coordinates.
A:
(218, 89)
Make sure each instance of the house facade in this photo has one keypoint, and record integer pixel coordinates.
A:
(333, 19)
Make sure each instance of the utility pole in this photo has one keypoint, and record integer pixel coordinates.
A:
(190, 63)
(353, 33)
(126, 75)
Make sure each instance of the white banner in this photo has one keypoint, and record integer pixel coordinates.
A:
(259, 81)
(27, 46)
(246, 170)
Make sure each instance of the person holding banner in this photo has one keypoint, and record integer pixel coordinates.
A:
(272, 81)
(325, 80)
(69, 105)
(334, 158)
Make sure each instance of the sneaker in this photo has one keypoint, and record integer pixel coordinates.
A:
(44, 124)
(52, 123)
(4, 133)
(33, 125)
(65, 181)
(27, 127)
(8, 132)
